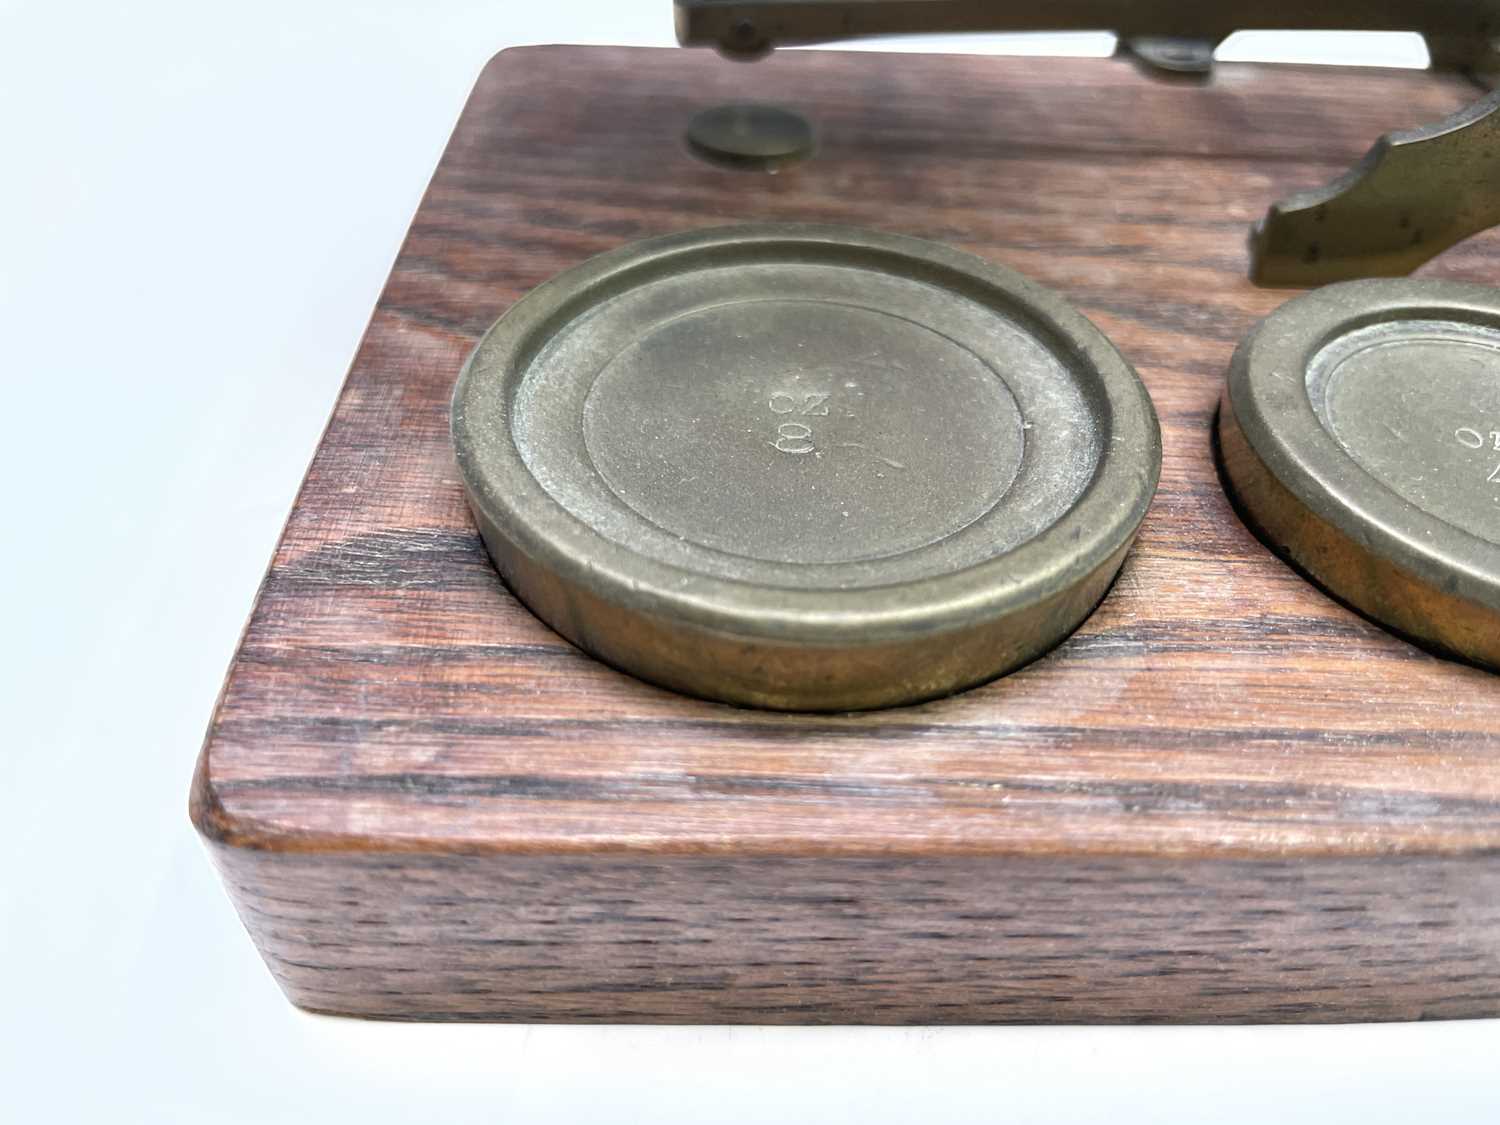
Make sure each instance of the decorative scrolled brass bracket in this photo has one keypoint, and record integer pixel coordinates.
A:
(1414, 195)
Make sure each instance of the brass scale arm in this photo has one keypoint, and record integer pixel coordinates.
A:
(1415, 194)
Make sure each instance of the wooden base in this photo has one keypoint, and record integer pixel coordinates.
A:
(1225, 798)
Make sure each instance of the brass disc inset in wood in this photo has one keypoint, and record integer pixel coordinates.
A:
(750, 136)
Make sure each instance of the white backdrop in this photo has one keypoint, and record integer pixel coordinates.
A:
(198, 205)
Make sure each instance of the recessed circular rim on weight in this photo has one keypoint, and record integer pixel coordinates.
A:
(1319, 483)
(513, 505)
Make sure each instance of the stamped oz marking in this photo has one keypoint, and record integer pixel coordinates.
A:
(796, 438)
(782, 402)
(1477, 439)
(1470, 438)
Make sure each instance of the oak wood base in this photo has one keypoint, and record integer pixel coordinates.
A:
(1225, 798)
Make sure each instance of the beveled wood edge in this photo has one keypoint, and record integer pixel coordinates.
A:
(221, 829)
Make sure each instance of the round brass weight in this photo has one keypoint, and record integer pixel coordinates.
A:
(1360, 434)
(800, 467)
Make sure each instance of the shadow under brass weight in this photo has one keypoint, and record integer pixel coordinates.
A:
(804, 467)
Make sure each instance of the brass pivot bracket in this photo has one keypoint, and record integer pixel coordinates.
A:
(1415, 194)
(1173, 37)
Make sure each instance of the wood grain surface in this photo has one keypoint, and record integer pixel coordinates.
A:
(1225, 797)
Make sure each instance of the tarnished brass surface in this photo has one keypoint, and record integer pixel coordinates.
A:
(1416, 194)
(804, 467)
(1172, 56)
(754, 137)
(1360, 437)
(1459, 31)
